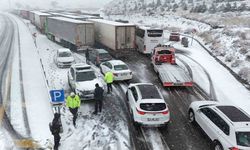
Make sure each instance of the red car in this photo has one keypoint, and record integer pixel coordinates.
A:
(174, 37)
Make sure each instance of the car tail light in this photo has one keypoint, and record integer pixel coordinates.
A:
(167, 84)
(234, 148)
(115, 74)
(140, 112)
(173, 60)
(188, 83)
(144, 47)
(165, 112)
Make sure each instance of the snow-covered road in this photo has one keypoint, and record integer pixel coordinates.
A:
(109, 130)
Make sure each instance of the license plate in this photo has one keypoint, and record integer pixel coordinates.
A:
(153, 119)
(124, 74)
(178, 84)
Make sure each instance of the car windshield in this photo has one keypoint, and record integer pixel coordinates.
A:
(153, 106)
(105, 56)
(120, 67)
(243, 138)
(64, 54)
(85, 76)
(164, 52)
(149, 92)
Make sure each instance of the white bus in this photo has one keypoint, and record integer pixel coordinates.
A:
(147, 38)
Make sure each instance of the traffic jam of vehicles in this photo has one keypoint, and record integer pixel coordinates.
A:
(105, 43)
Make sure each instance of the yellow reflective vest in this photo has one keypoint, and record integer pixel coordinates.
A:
(109, 77)
(73, 102)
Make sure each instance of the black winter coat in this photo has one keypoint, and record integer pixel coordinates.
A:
(98, 95)
(55, 126)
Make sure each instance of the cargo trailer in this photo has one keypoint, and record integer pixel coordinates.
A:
(117, 36)
(70, 33)
(24, 14)
(40, 18)
(32, 17)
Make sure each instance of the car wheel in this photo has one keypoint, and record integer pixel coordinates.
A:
(191, 116)
(217, 146)
(136, 124)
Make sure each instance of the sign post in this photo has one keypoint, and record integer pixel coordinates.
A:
(57, 96)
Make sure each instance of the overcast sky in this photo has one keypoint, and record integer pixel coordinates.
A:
(43, 4)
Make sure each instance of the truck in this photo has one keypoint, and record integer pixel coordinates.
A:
(32, 17)
(170, 73)
(73, 34)
(117, 37)
(40, 18)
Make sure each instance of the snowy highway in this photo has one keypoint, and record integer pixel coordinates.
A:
(8, 32)
(28, 72)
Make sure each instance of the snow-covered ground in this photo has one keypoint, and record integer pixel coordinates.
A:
(92, 132)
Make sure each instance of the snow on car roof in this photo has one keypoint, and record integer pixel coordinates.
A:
(70, 20)
(64, 50)
(102, 51)
(117, 62)
(111, 22)
(149, 28)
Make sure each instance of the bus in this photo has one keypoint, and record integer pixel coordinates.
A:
(147, 38)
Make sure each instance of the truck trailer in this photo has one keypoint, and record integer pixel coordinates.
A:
(40, 18)
(70, 33)
(32, 17)
(115, 36)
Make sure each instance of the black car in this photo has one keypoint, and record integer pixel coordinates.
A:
(97, 56)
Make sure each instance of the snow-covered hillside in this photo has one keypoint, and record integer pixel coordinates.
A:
(223, 27)
(162, 6)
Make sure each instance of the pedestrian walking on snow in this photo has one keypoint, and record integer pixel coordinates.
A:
(55, 128)
(109, 78)
(73, 102)
(98, 95)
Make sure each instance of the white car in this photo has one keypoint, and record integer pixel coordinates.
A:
(227, 126)
(147, 105)
(64, 58)
(119, 69)
(82, 79)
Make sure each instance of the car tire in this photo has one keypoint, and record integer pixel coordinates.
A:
(136, 124)
(191, 116)
(217, 146)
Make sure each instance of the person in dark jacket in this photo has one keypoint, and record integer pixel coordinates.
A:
(87, 55)
(55, 127)
(98, 95)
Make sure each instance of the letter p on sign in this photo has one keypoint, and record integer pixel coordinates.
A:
(57, 96)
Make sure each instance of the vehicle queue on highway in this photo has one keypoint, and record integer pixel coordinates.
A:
(227, 126)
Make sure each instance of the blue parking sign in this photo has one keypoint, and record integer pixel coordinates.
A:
(57, 96)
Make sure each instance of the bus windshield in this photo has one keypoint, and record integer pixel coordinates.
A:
(155, 33)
